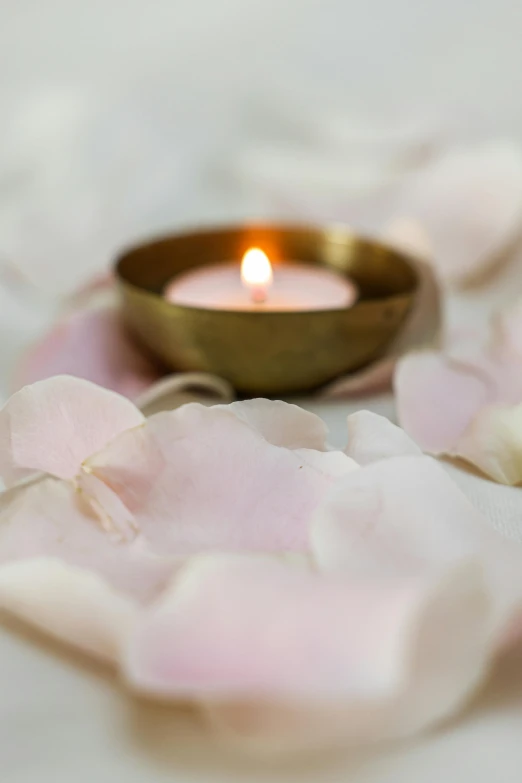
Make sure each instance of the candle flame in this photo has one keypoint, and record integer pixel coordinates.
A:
(256, 273)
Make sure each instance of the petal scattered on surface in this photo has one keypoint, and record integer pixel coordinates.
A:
(332, 464)
(359, 661)
(222, 484)
(256, 627)
(75, 606)
(458, 402)
(93, 344)
(53, 425)
(49, 519)
(372, 437)
(406, 515)
(282, 423)
(437, 398)
(493, 442)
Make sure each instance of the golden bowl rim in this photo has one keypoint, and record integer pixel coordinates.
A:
(268, 225)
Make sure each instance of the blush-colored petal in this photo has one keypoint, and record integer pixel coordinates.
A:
(331, 464)
(219, 481)
(360, 661)
(406, 515)
(282, 423)
(447, 401)
(372, 437)
(50, 519)
(234, 626)
(75, 606)
(114, 517)
(470, 203)
(94, 344)
(437, 398)
(53, 425)
(493, 442)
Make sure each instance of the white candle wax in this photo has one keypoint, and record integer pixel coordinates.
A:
(294, 287)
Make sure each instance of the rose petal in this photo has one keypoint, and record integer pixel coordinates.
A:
(437, 398)
(372, 437)
(47, 519)
(386, 657)
(71, 604)
(493, 442)
(447, 401)
(470, 203)
(282, 424)
(93, 344)
(222, 484)
(53, 425)
(235, 626)
(332, 464)
(405, 515)
(109, 510)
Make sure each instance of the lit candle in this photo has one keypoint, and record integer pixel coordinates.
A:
(259, 287)
(256, 274)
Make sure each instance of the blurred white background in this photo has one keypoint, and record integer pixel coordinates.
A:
(120, 117)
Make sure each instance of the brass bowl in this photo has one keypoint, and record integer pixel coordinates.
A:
(267, 352)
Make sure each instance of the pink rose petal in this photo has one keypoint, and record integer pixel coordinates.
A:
(218, 479)
(53, 425)
(405, 515)
(437, 398)
(282, 424)
(457, 402)
(49, 519)
(93, 344)
(493, 442)
(360, 661)
(255, 627)
(331, 464)
(372, 437)
(74, 605)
